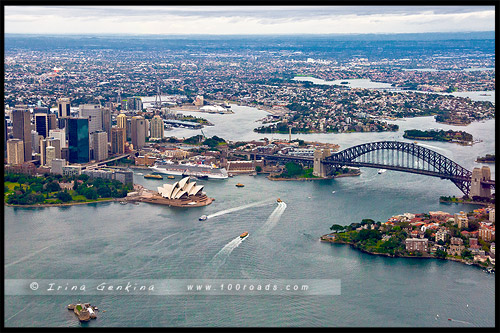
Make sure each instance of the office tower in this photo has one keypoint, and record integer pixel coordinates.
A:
(44, 123)
(138, 132)
(63, 108)
(118, 140)
(35, 141)
(21, 128)
(43, 150)
(93, 113)
(49, 155)
(78, 140)
(15, 151)
(106, 122)
(100, 145)
(134, 103)
(157, 131)
(59, 134)
(41, 124)
(65, 153)
(56, 143)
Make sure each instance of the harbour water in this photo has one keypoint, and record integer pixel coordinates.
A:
(113, 241)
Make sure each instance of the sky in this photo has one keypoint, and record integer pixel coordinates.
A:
(227, 20)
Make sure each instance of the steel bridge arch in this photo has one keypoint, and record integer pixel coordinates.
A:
(443, 166)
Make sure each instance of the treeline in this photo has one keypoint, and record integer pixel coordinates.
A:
(22, 189)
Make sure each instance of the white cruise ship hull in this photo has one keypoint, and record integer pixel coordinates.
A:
(190, 170)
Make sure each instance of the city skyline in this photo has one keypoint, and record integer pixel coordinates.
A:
(258, 20)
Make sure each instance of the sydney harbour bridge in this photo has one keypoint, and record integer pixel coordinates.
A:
(395, 155)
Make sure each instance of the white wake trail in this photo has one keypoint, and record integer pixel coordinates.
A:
(220, 258)
(230, 210)
(274, 218)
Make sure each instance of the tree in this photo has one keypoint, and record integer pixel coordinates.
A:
(337, 227)
(64, 196)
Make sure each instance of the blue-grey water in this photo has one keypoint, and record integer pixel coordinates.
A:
(113, 241)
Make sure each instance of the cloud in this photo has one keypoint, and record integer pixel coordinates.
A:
(247, 19)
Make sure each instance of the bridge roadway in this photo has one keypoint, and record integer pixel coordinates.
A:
(459, 180)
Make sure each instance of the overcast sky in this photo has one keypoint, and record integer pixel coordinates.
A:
(166, 20)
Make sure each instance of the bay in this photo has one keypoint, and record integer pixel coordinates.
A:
(113, 241)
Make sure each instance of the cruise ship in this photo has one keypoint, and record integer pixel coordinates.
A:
(194, 170)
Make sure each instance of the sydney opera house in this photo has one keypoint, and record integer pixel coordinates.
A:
(184, 193)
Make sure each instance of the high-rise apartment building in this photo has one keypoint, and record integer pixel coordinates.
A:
(157, 128)
(78, 140)
(118, 138)
(134, 103)
(121, 120)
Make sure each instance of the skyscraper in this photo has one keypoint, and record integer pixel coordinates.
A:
(138, 132)
(15, 151)
(106, 122)
(100, 145)
(118, 140)
(93, 112)
(42, 124)
(78, 140)
(21, 128)
(63, 108)
(157, 130)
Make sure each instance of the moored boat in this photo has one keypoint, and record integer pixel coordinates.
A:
(381, 171)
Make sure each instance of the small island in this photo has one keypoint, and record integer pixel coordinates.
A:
(295, 171)
(463, 237)
(460, 137)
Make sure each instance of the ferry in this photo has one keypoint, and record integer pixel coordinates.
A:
(381, 171)
(153, 176)
(203, 218)
(239, 185)
(279, 200)
(171, 177)
(243, 235)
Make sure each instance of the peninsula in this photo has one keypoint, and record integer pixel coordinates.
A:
(463, 237)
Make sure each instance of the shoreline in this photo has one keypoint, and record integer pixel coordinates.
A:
(62, 204)
(326, 239)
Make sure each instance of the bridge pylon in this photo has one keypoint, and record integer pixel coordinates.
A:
(321, 169)
(477, 188)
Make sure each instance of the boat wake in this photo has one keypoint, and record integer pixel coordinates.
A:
(220, 258)
(167, 237)
(230, 210)
(274, 218)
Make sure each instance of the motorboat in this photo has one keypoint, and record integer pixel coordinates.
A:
(203, 218)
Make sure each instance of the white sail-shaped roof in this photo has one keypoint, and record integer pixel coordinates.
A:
(189, 187)
(183, 182)
(195, 190)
